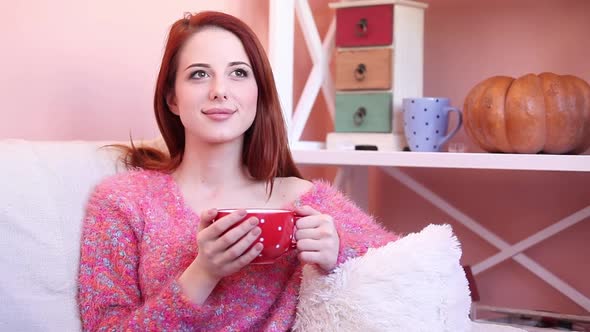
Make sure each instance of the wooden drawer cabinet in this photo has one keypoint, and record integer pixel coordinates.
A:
(364, 26)
(369, 113)
(363, 69)
(378, 62)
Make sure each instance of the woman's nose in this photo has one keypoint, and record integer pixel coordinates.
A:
(218, 90)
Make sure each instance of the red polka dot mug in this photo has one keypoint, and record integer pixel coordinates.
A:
(277, 235)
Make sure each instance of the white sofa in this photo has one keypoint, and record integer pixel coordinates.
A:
(44, 189)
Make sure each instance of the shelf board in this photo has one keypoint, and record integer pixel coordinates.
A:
(506, 161)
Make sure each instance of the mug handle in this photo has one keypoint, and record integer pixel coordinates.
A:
(454, 131)
(293, 241)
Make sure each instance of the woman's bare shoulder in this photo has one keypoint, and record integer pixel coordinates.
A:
(296, 185)
(289, 189)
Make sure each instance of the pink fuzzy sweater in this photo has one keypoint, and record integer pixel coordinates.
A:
(139, 236)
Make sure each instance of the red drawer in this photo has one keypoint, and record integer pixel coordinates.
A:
(364, 26)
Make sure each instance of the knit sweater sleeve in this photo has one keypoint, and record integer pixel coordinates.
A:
(357, 230)
(109, 295)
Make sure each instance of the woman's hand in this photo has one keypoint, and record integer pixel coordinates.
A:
(222, 251)
(317, 238)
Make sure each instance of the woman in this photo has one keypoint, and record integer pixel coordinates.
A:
(149, 262)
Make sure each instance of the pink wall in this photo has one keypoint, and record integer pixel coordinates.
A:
(86, 71)
(467, 41)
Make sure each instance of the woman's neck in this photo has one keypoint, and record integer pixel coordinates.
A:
(212, 167)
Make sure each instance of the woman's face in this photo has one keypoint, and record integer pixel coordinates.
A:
(215, 91)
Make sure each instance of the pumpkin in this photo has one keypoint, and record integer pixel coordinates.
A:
(547, 113)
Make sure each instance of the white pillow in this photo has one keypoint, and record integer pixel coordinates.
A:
(44, 190)
(413, 284)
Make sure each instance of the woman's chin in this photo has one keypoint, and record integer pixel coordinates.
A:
(216, 135)
(221, 138)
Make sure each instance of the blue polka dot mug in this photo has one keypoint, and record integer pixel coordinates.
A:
(426, 122)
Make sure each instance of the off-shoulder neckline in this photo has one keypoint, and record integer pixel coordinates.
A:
(175, 188)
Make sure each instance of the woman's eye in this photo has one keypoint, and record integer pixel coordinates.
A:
(240, 73)
(199, 74)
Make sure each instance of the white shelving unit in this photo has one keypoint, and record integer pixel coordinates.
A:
(352, 176)
(540, 162)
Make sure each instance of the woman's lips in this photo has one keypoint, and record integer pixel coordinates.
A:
(218, 114)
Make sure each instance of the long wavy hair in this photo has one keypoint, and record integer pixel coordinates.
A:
(265, 151)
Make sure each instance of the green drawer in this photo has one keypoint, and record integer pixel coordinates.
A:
(367, 113)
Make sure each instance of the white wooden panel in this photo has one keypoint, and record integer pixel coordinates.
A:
(328, 90)
(305, 104)
(310, 32)
(320, 77)
(408, 58)
(358, 186)
(281, 35)
(339, 178)
(532, 240)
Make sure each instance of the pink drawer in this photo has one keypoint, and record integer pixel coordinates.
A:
(364, 26)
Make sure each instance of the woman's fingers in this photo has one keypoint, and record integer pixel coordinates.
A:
(309, 222)
(309, 233)
(206, 218)
(306, 210)
(310, 245)
(227, 244)
(231, 237)
(311, 257)
(215, 229)
(311, 218)
(246, 258)
(317, 238)
(240, 244)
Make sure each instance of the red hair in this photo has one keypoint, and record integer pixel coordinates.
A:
(265, 151)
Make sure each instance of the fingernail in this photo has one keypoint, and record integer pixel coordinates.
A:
(254, 221)
(256, 231)
(212, 212)
(242, 213)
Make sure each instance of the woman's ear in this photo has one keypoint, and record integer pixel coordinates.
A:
(171, 101)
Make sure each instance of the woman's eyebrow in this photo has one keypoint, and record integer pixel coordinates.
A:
(235, 63)
(205, 65)
(198, 65)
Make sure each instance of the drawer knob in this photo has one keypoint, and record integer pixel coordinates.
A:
(359, 116)
(361, 27)
(360, 72)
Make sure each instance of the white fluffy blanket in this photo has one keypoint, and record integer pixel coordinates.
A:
(413, 284)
